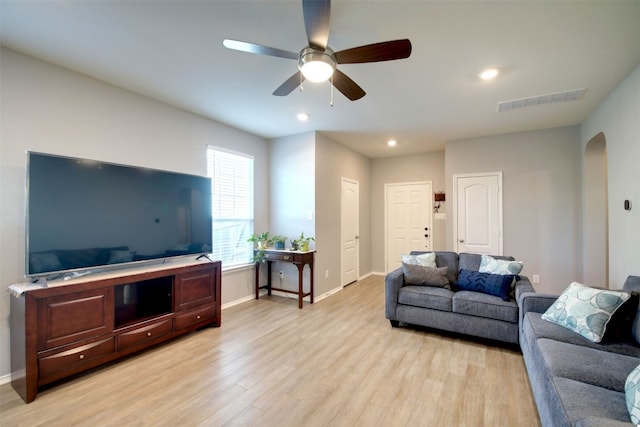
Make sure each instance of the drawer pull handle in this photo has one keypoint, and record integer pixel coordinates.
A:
(267, 255)
(148, 334)
(81, 356)
(198, 317)
(286, 257)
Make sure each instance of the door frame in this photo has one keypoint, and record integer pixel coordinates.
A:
(386, 219)
(357, 238)
(454, 214)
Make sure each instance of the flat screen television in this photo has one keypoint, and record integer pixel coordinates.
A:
(83, 215)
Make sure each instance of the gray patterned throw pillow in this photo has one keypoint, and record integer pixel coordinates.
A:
(585, 310)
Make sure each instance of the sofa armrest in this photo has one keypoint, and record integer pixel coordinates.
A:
(533, 302)
(523, 285)
(393, 282)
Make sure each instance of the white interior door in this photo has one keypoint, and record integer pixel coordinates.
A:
(408, 220)
(477, 222)
(349, 233)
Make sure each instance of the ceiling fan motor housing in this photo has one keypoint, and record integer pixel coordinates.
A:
(317, 65)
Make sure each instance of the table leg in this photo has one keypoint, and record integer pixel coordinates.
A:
(257, 280)
(311, 281)
(300, 288)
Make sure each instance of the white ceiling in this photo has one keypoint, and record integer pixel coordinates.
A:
(172, 50)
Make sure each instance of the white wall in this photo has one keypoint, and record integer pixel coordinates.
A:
(50, 109)
(541, 197)
(618, 117)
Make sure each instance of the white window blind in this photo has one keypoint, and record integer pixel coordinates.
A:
(232, 197)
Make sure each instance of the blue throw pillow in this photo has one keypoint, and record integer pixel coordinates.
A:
(493, 284)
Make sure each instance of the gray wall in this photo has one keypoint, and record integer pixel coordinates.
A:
(334, 162)
(541, 197)
(418, 167)
(49, 109)
(618, 117)
(293, 182)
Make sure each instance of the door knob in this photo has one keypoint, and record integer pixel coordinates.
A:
(357, 237)
(461, 240)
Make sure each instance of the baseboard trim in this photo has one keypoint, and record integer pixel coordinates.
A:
(5, 379)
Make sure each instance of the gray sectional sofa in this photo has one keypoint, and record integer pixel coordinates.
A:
(461, 311)
(577, 382)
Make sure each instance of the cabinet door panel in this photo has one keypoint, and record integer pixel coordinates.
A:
(72, 317)
(194, 289)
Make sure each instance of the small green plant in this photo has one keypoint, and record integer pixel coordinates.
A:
(262, 239)
(302, 243)
(278, 241)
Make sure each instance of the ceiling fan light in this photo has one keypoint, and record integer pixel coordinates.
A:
(316, 66)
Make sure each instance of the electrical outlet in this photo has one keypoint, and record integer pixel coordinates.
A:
(536, 278)
(281, 274)
(326, 274)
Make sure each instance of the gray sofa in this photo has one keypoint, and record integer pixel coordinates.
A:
(576, 382)
(463, 311)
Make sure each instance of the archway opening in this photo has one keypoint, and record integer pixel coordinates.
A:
(596, 213)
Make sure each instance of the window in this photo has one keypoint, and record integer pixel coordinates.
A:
(232, 198)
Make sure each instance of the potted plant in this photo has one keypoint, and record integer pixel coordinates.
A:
(303, 242)
(278, 241)
(262, 239)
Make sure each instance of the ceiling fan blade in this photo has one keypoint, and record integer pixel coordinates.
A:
(348, 87)
(289, 85)
(317, 14)
(383, 51)
(259, 49)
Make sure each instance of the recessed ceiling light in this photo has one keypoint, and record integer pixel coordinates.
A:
(392, 143)
(489, 74)
(303, 117)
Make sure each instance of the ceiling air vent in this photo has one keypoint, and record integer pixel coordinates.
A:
(570, 95)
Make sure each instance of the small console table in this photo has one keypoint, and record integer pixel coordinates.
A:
(300, 259)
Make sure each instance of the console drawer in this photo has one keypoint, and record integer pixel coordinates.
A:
(74, 360)
(143, 334)
(192, 317)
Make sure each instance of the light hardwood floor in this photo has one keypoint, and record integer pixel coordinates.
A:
(334, 363)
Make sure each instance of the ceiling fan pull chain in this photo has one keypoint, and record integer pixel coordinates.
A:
(331, 85)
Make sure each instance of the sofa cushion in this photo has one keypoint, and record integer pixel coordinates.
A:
(587, 365)
(446, 259)
(483, 305)
(472, 261)
(426, 259)
(426, 296)
(492, 284)
(580, 400)
(489, 264)
(585, 310)
(425, 276)
(632, 394)
(534, 327)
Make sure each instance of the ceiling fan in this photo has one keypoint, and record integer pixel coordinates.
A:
(317, 62)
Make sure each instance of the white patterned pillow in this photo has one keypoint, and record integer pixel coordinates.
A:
(632, 395)
(489, 264)
(585, 310)
(425, 260)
